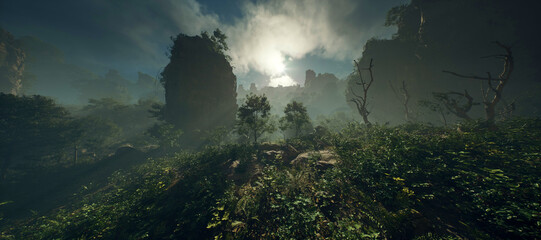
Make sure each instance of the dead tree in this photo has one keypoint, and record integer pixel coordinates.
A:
(493, 94)
(507, 111)
(405, 100)
(360, 99)
(436, 106)
(453, 105)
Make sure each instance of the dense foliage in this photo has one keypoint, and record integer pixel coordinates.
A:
(133, 120)
(296, 119)
(405, 182)
(32, 128)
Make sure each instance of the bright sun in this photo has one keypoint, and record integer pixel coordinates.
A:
(275, 63)
(279, 67)
(277, 70)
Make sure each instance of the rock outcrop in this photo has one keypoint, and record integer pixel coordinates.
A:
(324, 159)
(11, 63)
(200, 87)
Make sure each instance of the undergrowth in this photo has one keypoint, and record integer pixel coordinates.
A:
(406, 182)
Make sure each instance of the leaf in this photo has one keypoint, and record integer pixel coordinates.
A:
(236, 223)
(225, 217)
(211, 225)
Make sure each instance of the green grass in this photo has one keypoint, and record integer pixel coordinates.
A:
(405, 182)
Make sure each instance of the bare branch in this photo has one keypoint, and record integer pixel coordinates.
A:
(465, 76)
(453, 105)
(361, 100)
(503, 78)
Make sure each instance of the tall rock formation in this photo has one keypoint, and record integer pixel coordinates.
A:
(310, 77)
(200, 87)
(11, 63)
(436, 35)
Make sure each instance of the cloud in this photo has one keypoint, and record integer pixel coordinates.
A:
(130, 35)
(147, 25)
(133, 35)
(273, 31)
(283, 80)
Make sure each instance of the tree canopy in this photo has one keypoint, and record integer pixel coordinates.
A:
(253, 117)
(296, 118)
(32, 128)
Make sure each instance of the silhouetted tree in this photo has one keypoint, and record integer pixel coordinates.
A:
(112, 86)
(296, 118)
(94, 135)
(436, 106)
(455, 105)
(360, 100)
(167, 135)
(403, 90)
(133, 119)
(253, 117)
(493, 94)
(32, 128)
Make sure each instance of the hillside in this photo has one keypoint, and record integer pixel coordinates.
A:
(405, 182)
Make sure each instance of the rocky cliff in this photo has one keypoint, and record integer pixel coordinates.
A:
(11, 63)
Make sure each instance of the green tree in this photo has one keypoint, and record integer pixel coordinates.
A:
(167, 135)
(219, 39)
(253, 117)
(296, 118)
(32, 128)
(95, 134)
(133, 119)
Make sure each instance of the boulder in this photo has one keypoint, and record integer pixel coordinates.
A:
(241, 172)
(273, 154)
(267, 146)
(290, 153)
(324, 159)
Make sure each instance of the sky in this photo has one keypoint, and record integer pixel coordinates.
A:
(271, 42)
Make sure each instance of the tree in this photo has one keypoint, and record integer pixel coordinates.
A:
(436, 106)
(32, 128)
(133, 119)
(218, 38)
(455, 105)
(112, 86)
(167, 135)
(405, 100)
(491, 100)
(253, 117)
(296, 118)
(95, 134)
(360, 100)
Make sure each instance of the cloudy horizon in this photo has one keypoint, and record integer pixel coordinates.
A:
(271, 42)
